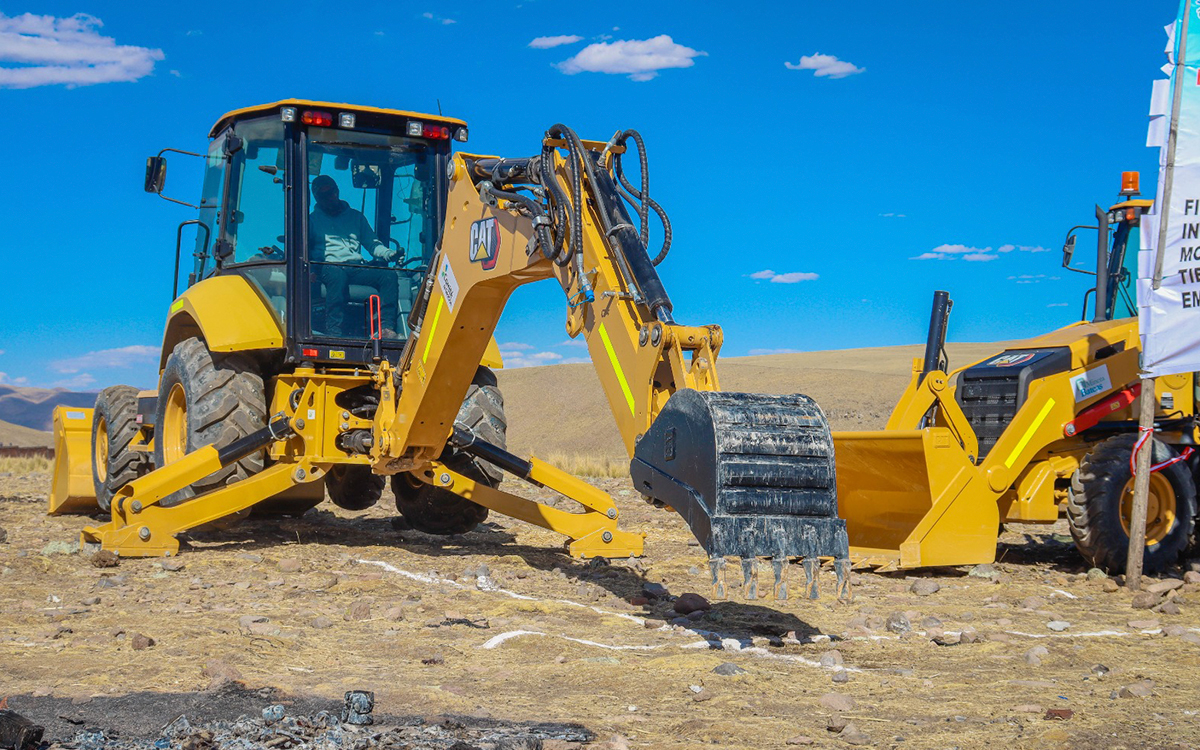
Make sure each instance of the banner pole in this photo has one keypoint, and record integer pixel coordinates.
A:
(1141, 482)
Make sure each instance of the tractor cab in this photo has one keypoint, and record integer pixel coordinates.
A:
(1118, 245)
(331, 212)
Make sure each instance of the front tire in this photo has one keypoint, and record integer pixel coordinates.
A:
(434, 510)
(114, 426)
(1100, 503)
(206, 399)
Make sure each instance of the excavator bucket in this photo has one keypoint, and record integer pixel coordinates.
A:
(71, 489)
(912, 498)
(752, 475)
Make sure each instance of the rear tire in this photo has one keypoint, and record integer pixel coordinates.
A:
(1099, 504)
(206, 399)
(114, 426)
(434, 510)
(353, 487)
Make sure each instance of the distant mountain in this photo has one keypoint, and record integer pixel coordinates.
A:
(23, 437)
(33, 407)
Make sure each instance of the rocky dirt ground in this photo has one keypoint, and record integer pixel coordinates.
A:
(496, 639)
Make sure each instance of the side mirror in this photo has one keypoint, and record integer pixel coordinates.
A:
(156, 174)
(1068, 250)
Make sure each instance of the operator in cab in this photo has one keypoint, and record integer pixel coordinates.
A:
(337, 235)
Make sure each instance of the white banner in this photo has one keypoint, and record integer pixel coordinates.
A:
(1169, 317)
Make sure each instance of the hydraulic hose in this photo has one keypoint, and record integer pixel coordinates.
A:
(641, 199)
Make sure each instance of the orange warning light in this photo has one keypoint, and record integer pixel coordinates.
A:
(1129, 183)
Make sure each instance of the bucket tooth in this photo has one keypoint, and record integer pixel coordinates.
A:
(779, 568)
(750, 578)
(716, 567)
(811, 566)
(842, 568)
(752, 475)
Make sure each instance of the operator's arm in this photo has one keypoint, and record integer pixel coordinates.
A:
(370, 240)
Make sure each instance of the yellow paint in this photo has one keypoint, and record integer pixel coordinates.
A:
(437, 314)
(616, 363)
(1029, 433)
(491, 355)
(227, 312)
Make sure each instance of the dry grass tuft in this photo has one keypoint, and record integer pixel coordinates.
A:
(25, 465)
(590, 466)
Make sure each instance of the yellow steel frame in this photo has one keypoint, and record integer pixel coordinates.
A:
(921, 497)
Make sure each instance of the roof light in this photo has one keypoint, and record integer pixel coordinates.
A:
(346, 120)
(414, 128)
(460, 135)
(287, 114)
(313, 117)
(1129, 183)
(440, 132)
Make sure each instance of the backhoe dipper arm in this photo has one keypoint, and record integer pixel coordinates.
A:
(752, 475)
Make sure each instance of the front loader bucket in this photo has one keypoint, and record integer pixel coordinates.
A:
(71, 490)
(911, 498)
(752, 475)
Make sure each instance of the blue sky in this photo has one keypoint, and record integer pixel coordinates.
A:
(826, 166)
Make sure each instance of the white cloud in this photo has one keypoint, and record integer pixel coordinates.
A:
(758, 352)
(515, 346)
(6, 380)
(793, 277)
(77, 382)
(949, 252)
(47, 51)
(448, 21)
(894, 215)
(575, 342)
(826, 66)
(546, 42)
(641, 59)
(439, 19)
(426, 15)
(124, 356)
(1057, 304)
(194, 32)
(523, 358)
(784, 278)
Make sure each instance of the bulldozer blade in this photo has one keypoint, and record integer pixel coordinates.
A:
(752, 475)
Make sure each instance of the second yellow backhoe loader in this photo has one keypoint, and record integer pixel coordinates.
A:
(1042, 428)
(336, 329)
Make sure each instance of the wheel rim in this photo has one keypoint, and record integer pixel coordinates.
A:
(100, 459)
(1160, 508)
(174, 426)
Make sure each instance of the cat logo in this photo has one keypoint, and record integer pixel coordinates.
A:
(1011, 360)
(485, 243)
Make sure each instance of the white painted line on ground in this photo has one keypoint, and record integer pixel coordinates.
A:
(495, 589)
(499, 639)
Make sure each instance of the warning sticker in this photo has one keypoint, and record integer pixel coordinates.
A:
(1091, 383)
(447, 281)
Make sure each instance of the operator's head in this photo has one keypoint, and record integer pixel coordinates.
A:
(325, 193)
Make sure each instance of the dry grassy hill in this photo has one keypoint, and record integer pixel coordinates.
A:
(560, 409)
(33, 407)
(23, 437)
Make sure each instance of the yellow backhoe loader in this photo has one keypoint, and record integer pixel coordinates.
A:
(336, 329)
(1044, 427)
